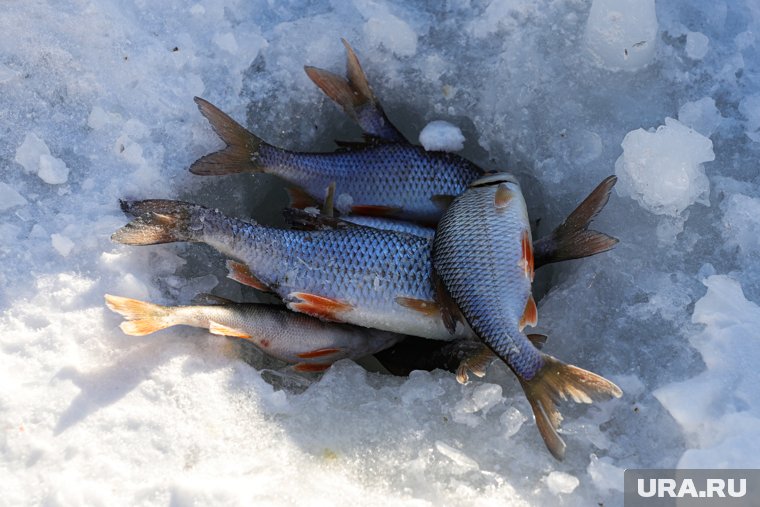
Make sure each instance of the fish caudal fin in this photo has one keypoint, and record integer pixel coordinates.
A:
(555, 382)
(242, 150)
(572, 239)
(141, 318)
(158, 221)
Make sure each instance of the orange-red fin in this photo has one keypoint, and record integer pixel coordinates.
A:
(311, 367)
(242, 274)
(502, 196)
(375, 211)
(530, 315)
(429, 308)
(221, 329)
(319, 353)
(527, 255)
(299, 198)
(318, 306)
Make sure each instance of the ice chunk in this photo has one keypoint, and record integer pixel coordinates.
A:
(621, 34)
(392, 33)
(481, 399)
(742, 224)
(561, 482)
(7, 74)
(464, 462)
(441, 135)
(663, 170)
(9, 197)
(701, 115)
(34, 156)
(62, 244)
(512, 420)
(697, 45)
(750, 108)
(605, 475)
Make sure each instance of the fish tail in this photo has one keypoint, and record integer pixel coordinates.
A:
(241, 155)
(557, 381)
(141, 318)
(572, 239)
(160, 221)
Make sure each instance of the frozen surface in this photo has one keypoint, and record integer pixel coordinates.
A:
(97, 105)
(441, 135)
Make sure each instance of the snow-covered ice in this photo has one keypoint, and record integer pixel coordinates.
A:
(97, 105)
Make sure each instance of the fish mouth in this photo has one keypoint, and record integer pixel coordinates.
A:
(494, 178)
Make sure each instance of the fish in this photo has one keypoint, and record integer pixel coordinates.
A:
(482, 255)
(355, 274)
(355, 96)
(309, 344)
(375, 177)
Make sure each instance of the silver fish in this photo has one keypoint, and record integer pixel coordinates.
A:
(483, 256)
(310, 344)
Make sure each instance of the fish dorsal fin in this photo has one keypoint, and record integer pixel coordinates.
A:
(206, 299)
(429, 308)
(306, 221)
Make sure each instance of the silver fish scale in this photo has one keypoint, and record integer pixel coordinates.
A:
(477, 254)
(396, 175)
(365, 267)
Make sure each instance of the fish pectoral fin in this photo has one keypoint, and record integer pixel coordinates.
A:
(320, 353)
(299, 198)
(222, 330)
(441, 201)
(530, 314)
(321, 307)
(572, 239)
(429, 308)
(375, 210)
(242, 274)
(311, 367)
(502, 196)
(477, 362)
(240, 154)
(526, 259)
(555, 382)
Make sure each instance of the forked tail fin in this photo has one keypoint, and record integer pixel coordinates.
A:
(242, 150)
(354, 95)
(159, 221)
(141, 318)
(557, 381)
(572, 239)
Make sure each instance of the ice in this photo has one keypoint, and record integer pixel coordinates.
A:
(701, 115)
(98, 96)
(622, 34)
(561, 482)
(697, 45)
(441, 135)
(663, 169)
(9, 197)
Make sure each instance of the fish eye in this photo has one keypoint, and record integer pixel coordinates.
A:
(494, 178)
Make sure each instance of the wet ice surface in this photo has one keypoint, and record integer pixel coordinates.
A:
(92, 416)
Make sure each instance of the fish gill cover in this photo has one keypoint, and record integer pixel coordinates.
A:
(97, 105)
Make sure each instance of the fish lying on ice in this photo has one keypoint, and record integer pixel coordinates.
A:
(483, 256)
(310, 344)
(358, 275)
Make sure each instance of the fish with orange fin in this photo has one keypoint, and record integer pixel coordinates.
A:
(354, 274)
(309, 344)
(483, 256)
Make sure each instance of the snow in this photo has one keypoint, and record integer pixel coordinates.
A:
(97, 102)
(441, 135)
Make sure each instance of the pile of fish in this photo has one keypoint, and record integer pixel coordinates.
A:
(417, 244)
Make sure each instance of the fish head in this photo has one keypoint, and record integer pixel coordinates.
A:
(506, 193)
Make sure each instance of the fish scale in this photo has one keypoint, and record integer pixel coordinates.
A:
(477, 254)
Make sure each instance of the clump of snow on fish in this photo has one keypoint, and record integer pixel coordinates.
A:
(441, 135)
(94, 416)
